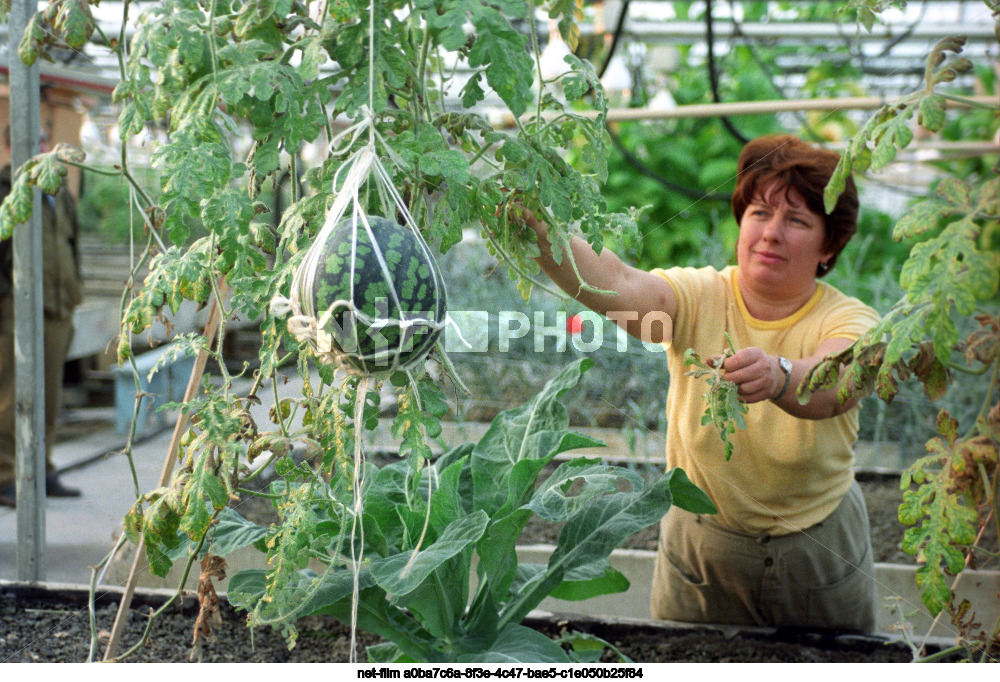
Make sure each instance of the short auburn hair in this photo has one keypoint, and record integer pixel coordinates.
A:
(781, 162)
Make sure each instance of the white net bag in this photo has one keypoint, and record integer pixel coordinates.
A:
(368, 296)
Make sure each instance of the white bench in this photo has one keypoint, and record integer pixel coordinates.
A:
(95, 325)
(167, 384)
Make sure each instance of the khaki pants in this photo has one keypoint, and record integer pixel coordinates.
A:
(821, 577)
(58, 334)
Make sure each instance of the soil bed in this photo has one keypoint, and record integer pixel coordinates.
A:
(53, 626)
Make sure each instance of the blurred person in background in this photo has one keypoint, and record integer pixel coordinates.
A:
(62, 292)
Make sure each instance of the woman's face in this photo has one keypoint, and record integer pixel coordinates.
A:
(781, 241)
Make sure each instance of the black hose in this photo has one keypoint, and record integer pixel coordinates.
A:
(629, 157)
(650, 173)
(713, 77)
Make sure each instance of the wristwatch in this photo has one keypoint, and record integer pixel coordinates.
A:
(786, 366)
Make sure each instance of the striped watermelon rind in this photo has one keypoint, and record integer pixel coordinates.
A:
(394, 313)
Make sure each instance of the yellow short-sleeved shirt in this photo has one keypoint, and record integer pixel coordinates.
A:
(785, 474)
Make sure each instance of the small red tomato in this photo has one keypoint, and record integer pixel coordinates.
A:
(574, 324)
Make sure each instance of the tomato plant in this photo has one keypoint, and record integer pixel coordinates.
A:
(723, 408)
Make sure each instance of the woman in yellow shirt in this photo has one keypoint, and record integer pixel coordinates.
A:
(790, 545)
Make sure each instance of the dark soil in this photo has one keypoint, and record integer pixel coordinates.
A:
(53, 626)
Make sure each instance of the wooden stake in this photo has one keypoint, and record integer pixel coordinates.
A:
(194, 384)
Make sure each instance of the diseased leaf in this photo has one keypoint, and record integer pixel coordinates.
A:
(931, 372)
(955, 192)
(988, 199)
(74, 22)
(921, 218)
(931, 112)
(942, 521)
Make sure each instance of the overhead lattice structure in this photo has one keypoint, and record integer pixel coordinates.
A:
(889, 57)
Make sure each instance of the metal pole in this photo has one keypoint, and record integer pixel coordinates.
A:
(29, 332)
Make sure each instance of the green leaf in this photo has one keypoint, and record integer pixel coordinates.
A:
(589, 581)
(233, 532)
(472, 92)
(246, 588)
(387, 652)
(723, 408)
(402, 573)
(592, 535)
(534, 433)
(891, 136)
(573, 486)
(518, 644)
(497, 552)
(687, 495)
(446, 22)
(501, 50)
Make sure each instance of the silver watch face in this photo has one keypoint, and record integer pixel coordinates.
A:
(785, 364)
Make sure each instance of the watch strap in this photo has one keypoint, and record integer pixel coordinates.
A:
(784, 364)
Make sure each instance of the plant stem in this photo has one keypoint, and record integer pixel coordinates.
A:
(994, 383)
(513, 266)
(258, 493)
(968, 370)
(180, 589)
(969, 102)
(422, 102)
(993, 638)
(943, 654)
(94, 578)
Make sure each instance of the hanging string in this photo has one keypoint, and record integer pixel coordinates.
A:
(362, 388)
(357, 525)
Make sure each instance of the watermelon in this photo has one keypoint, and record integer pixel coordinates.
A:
(393, 311)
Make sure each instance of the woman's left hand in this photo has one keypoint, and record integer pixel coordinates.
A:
(757, 374)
